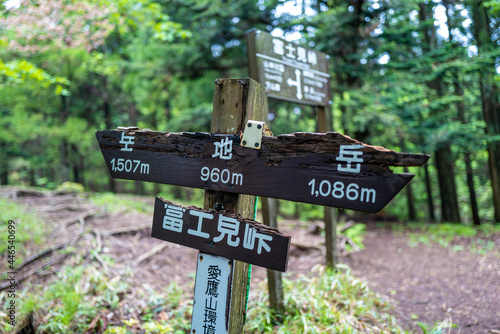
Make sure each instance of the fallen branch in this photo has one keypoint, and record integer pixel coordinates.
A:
(126, 230)
(344, 240)
(342, 244)
(48, 251)
(98, 240)
(100, 259)
(62, 207)
(21, 278)
(78, 219)
(346, 226)
(353, 244)
(42, 254)
(304, 247)
(158, 248)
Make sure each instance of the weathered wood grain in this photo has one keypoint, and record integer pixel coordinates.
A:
(235, 102)
(282, 168)
(276, 258)
(309, 149)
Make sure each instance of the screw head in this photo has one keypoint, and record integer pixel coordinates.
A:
(244, 142)
(249, 125)
(257, 144)
(259, 126)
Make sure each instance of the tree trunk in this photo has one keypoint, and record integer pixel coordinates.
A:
(467, 160)
(448, 191)
(430, 201)
(462, 115)
(4, 176)
(489, 94)
(412, 215)
(443, 157)
(65, 167)
(472, 190)
(4, 166)
(32, 178)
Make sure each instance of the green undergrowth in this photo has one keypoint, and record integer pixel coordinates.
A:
(325, 301)
(28, 227)
(121, 203)
(445, 235)
(357, 234)
(84, 298)
(126, 203)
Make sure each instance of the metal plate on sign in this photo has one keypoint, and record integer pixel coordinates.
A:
(289, 71)
(252, 135)
(212, 294)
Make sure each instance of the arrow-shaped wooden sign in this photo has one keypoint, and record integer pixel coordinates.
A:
(326, 169)
(219, 233)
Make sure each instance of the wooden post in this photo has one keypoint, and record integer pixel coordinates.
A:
(235, 102)
(330, 218)
(274, 282)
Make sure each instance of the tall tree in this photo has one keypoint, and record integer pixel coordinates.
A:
(443, 157)
(488, 48)
(452, 23)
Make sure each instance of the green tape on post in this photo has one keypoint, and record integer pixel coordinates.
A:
(250, 266)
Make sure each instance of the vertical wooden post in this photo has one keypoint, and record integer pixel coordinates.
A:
(274, 281)
(235, 102)
(330, 218)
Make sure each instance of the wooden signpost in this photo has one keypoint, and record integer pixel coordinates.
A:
(228, 235)
(289, 71)
(212, 297)
(296, 74)
(327, 169)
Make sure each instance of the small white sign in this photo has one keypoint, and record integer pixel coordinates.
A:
(211, 294)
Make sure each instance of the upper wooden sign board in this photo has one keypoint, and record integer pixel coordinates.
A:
(325, 169)
(289, 71)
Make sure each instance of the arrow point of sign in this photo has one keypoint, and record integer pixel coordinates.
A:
(395, 183)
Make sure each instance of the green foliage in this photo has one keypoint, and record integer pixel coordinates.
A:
(438, 328)
(446, 233)
(71, 302)
(357, 234)
(29, 227)
(120, 203)
(171, 301)
(28, 75)
(70, 187)
(326, 301)
(397, 81)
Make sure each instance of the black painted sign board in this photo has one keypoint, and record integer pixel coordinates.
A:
(220, 233)
(325, 169)
(289, 71)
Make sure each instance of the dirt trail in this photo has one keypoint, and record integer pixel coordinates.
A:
(425, 283)
(432, 283)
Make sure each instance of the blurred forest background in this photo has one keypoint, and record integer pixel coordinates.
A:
(414, 76)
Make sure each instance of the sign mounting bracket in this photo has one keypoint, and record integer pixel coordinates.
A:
(252, 135)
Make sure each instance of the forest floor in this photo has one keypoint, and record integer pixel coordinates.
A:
(425, 282)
